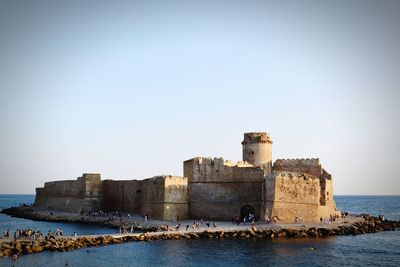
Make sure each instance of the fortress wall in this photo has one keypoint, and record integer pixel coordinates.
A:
(329, 190)
(166, 198)
(222, 201)
(153, 197)
(92, 191)
(112, 192)
(225, 192)
(176, 198)
(219, 170)
(82, 194)
(188, 168)
(93, 184)
(205, 169)
(310, 166)
(61, 195)
(247, 174)
(290, 195)
(223, 211)
(124, 196)
(68, 188)
(176, 189)
(160, 197)
(135, 196)
(68, 204)
(330, 205)
(132, 196)
(218, 189)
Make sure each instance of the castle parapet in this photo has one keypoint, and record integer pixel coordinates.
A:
(202, 169)
(310, 166)
(257, 150)
(256, 137)
(82, 194)
(219, 189)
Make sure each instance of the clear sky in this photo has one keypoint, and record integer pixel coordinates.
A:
(131, 89)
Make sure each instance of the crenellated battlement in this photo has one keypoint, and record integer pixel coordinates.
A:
(220, 161)
(202, 169)
(305, 165)
(297, 162)
(256, 137)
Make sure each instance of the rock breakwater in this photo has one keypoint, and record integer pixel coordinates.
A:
(369, 224)
(56, 216)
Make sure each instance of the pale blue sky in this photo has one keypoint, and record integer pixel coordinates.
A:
(131, 89)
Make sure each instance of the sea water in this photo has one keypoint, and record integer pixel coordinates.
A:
(378, 249)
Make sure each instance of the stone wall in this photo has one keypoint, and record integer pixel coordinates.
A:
(218, 189)
(257, 150)
(92, 191)
(289, 195)
(176, 198)
(79, 195)
(204, 170)
(121, 195)
(310, 166)
(160, 197)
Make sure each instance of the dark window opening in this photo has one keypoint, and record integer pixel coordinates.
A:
(248, 213)
(138, 191)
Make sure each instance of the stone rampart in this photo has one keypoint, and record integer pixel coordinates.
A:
(256, 137)
(310, 166)
(160, 197)
(61, 195)
(82, 194)
(219, 170)
(218, 189)
(71, 188)
(291, 195)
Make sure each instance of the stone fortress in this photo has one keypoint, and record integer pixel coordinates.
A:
(211, 189)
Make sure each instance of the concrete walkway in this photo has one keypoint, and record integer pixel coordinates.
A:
(221, 226)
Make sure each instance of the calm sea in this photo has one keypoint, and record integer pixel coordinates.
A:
(380, 249)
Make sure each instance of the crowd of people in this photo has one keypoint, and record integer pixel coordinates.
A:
(333, 218)
(126, 229)
(249, 218)
(100, 213)
(195, 225)
(112, 215)
(33, 234)
(24, 234)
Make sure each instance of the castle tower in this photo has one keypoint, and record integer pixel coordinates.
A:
(257, 150)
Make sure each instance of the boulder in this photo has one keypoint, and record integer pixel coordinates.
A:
(5, 252)
(18, 247)
(194, 235)
(6, 246)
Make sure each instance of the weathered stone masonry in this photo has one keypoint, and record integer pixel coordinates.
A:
(218, 189)
(160, 197)
(211, 189)
(75, 196)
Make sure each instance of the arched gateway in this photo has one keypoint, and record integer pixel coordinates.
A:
(247, 213)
